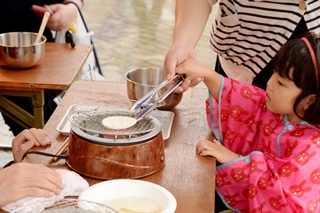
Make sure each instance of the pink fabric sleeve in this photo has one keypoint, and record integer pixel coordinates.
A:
(236, 114)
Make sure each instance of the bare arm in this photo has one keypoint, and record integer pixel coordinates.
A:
(215, 149)
(191, 18)
(213, 81)
(194, 70)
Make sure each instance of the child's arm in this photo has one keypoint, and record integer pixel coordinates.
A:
(215, 149)
(193, 70)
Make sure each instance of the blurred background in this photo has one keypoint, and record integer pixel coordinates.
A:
(136, 33)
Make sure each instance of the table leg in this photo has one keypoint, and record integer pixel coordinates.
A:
(38, 103)
(18, 114)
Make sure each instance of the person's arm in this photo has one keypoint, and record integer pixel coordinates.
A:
(23, 180)
(191, 19)
(195, 70)
(215, 149)
(26, 140)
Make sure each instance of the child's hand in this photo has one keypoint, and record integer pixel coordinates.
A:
(192, 69)
(215, 149)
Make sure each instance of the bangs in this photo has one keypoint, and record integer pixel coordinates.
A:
(294, 62)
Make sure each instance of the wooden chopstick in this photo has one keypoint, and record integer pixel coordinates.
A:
(61, 150)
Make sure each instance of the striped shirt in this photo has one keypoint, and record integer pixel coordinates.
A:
(247, 34)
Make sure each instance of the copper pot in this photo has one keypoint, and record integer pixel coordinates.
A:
(111, 160)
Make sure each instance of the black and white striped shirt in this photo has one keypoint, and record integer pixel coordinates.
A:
(247, 34)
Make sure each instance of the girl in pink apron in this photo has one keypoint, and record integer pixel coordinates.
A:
(267, 142)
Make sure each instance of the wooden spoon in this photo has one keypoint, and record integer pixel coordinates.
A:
(42, 26)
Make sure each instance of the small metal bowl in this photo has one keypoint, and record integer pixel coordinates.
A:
(18, 51)
(143, 80)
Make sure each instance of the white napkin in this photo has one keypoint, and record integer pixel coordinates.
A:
(74, 185)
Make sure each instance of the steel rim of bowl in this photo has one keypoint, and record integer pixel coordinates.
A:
(19, 34)
(158, 69)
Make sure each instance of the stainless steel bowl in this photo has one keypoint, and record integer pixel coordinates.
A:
(18, 51)
(143, 80)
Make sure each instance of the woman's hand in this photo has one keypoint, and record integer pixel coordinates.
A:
(26, 140)
(175, 56)
(215, 149)
(61, 16)
(23, 180)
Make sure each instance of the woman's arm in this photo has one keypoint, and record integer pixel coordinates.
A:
(191, 18)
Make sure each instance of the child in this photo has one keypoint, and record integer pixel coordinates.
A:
(268, 142)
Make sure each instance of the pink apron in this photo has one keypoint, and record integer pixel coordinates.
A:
(280, 167)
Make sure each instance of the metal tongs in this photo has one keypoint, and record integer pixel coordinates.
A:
(149, 102)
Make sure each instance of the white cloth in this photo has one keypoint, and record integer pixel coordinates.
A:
(74, 185)
(6, 135)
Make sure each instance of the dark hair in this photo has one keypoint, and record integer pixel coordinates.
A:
(295, 54)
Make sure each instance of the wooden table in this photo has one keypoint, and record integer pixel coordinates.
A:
(57, 71)
(189, 177)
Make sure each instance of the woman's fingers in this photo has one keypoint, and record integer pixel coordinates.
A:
(24, 180)
(41, 137)
(37, 176)
(26, 140)
(37, 136)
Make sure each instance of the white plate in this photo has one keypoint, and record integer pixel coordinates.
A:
(124, 188)
(64, 125)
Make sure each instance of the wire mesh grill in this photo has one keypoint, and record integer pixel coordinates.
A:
(66, 206)
(88, 117)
